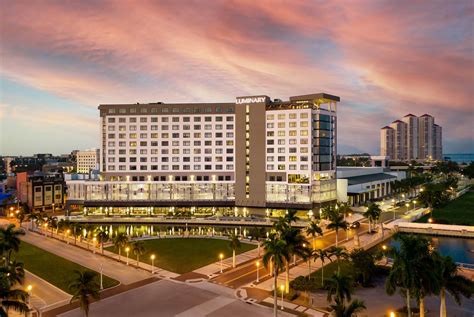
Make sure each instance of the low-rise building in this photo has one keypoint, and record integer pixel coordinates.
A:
(43, 191)
(87, 160)
(359, 185)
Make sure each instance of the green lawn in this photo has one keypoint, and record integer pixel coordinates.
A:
(52, 268)
(184, 255)
(331, 268)
(457, 212)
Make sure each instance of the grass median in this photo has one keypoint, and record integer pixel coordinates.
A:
(182, 255)
(456, 212)
(52, 268)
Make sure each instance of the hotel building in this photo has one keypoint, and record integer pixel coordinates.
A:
(412, 138)
(254, 152)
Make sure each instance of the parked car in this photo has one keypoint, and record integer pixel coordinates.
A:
(355, 225)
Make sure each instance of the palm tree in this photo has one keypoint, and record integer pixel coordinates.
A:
(322, 255)
(341, 310)
(295, 243)
(257, 234)
(138, 248)
(339, 287)
(52, 223)
(76, 230)
(14, 273)
(10, 241)
(290, 217)
(12, 299)
(83, 288)
(314, 230)
(412, 270)
(373, 214)
(308, 256)
(103, 236)
(234, 244)
(120, 241)
(451, 282)
(339, 253)
(34, 217)
(275, 253)
(337, 223)
(343, 208)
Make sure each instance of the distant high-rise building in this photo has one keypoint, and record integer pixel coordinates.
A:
(87, 160)
(412, 138)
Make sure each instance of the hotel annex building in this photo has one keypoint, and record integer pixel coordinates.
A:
(252, 153)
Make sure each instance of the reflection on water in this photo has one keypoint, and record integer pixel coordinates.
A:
(460, 249)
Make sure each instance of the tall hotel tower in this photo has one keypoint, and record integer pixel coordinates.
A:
(254, 152)
(412, 138)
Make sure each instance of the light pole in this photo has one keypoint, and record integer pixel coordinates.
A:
(67, 235)
(127, 249)
(282, 288)
(28, 290)
(93, 244)
(407, 205)
(221, 256)
(152, 257)
(393, 206)
(258, 267)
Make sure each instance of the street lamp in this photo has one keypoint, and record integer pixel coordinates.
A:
(93, 244)
(221, 256)
(310, 215)
(28, 290)
(127, 250)
(152, 257)
(414, 204)
(282, 288)
(101, 277)
(407, 205)
(67, 235)
(258, 267)
(392, 314)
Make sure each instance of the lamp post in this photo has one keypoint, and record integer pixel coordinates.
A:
(67, 235)
(93, 244)
(101, 277)
(414, 204)
(393, 206)
(282, 288)
(310, 215)
(407, 205)
(28, 290)
(152, 257)
(221, 256)
(258, 267)
(127, 250)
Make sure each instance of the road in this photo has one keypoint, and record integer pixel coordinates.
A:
(248, 273)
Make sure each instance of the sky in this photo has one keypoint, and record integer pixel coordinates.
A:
(60, 59)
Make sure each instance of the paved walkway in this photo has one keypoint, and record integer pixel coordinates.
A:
(119, 271)
(214, 268)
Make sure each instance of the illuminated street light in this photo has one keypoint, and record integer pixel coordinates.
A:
(392, 314)
(152, 257)
(93, 244)
(127, 250)
(407, 205)
(430, 220)
(221, 256)
(258, 267)
(282, 288)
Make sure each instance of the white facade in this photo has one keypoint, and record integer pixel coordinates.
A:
(87, 160)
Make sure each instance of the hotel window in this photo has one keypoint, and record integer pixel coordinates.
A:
(292, 141)
(133, 167)
(197, 151)
(207, 119)
(281, 125)
(229, 119)
(132, 151)
(111, 128)
(130, 135)
(154, 159)
(132, 128)
(143, 151)
(175, 151)
(122, 167)
(281, 167)
(292, 167)
(154, 119)
(207, 167)
(304, 115)
(270, 158)
(154, 151)
(175, 135)
(292, 115)
(143, 119)
(122, 120)
(219, 126)
(229, 143)
(292, 125)
(154, 167)
(164, 167)
(142, 159)
(303, 141)
(111, 168)
(197, 167)
(218, 167)
(111, 160)
(270, 167)
(292, 150)
(229, 126)
(175, 119)
(165, 135)
(229, 167)
(293, 133)
(219, 119)
(229, 134)
(197, 127)
(165, 151)
(175, 110)
(229, 151)
(186, 143)
(304, 124)
(304, 132)
(303, 150)
(270, 125)
(122, 128)
(197, 119)
(270, 142)
(270, 150)
(270, 133)
(281, 159)
(187, 119)
(111, 120)
(303, 167)
(154, 127)
(111, 136)
(165, 119)
(133, 144)
(143, 135)
(154, 135)
(133, 110)
(175, 143)
(281, 116)
(165, 159)
(175, 159)
(131, 159)
(281, 150)
(270, 117)
(292, 158)
(304, 159)
(111, 144)
(143, 127)
(208, 127)
(197, 159)
(281, 142)
(143, 143)
(133, 120)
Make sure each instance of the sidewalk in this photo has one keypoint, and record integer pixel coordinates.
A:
(116, 270)
(214, 268)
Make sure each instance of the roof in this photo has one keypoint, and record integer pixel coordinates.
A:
(355, 180)
(315, 96)
(426, 115)
(387, 127)
(410, 115)
(397, 121)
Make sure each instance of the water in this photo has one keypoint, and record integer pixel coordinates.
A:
(459, 158)
(460, 249)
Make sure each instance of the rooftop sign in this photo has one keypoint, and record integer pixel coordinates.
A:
(255, 99)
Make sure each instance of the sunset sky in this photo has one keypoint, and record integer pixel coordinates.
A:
(61, 59)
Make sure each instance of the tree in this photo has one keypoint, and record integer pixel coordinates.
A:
(373, 214)
(34, 218)
(314, 230)
(339, 287)
(83, 288)
(120, 241)
(450, 281)
(295, 243)
(12, 298)
(138, 248)
(468, 171)
(340, 253)
(341, 310)
(76, 230)
(275, 252)
(103, 237)
(337, 223)
(343, 208)
(322, 255)
(14, 272)
(10, 241)
(413, 270)
(52, 223)
(364, 265)
(234, 244)
(257, 234)
(290, 217)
